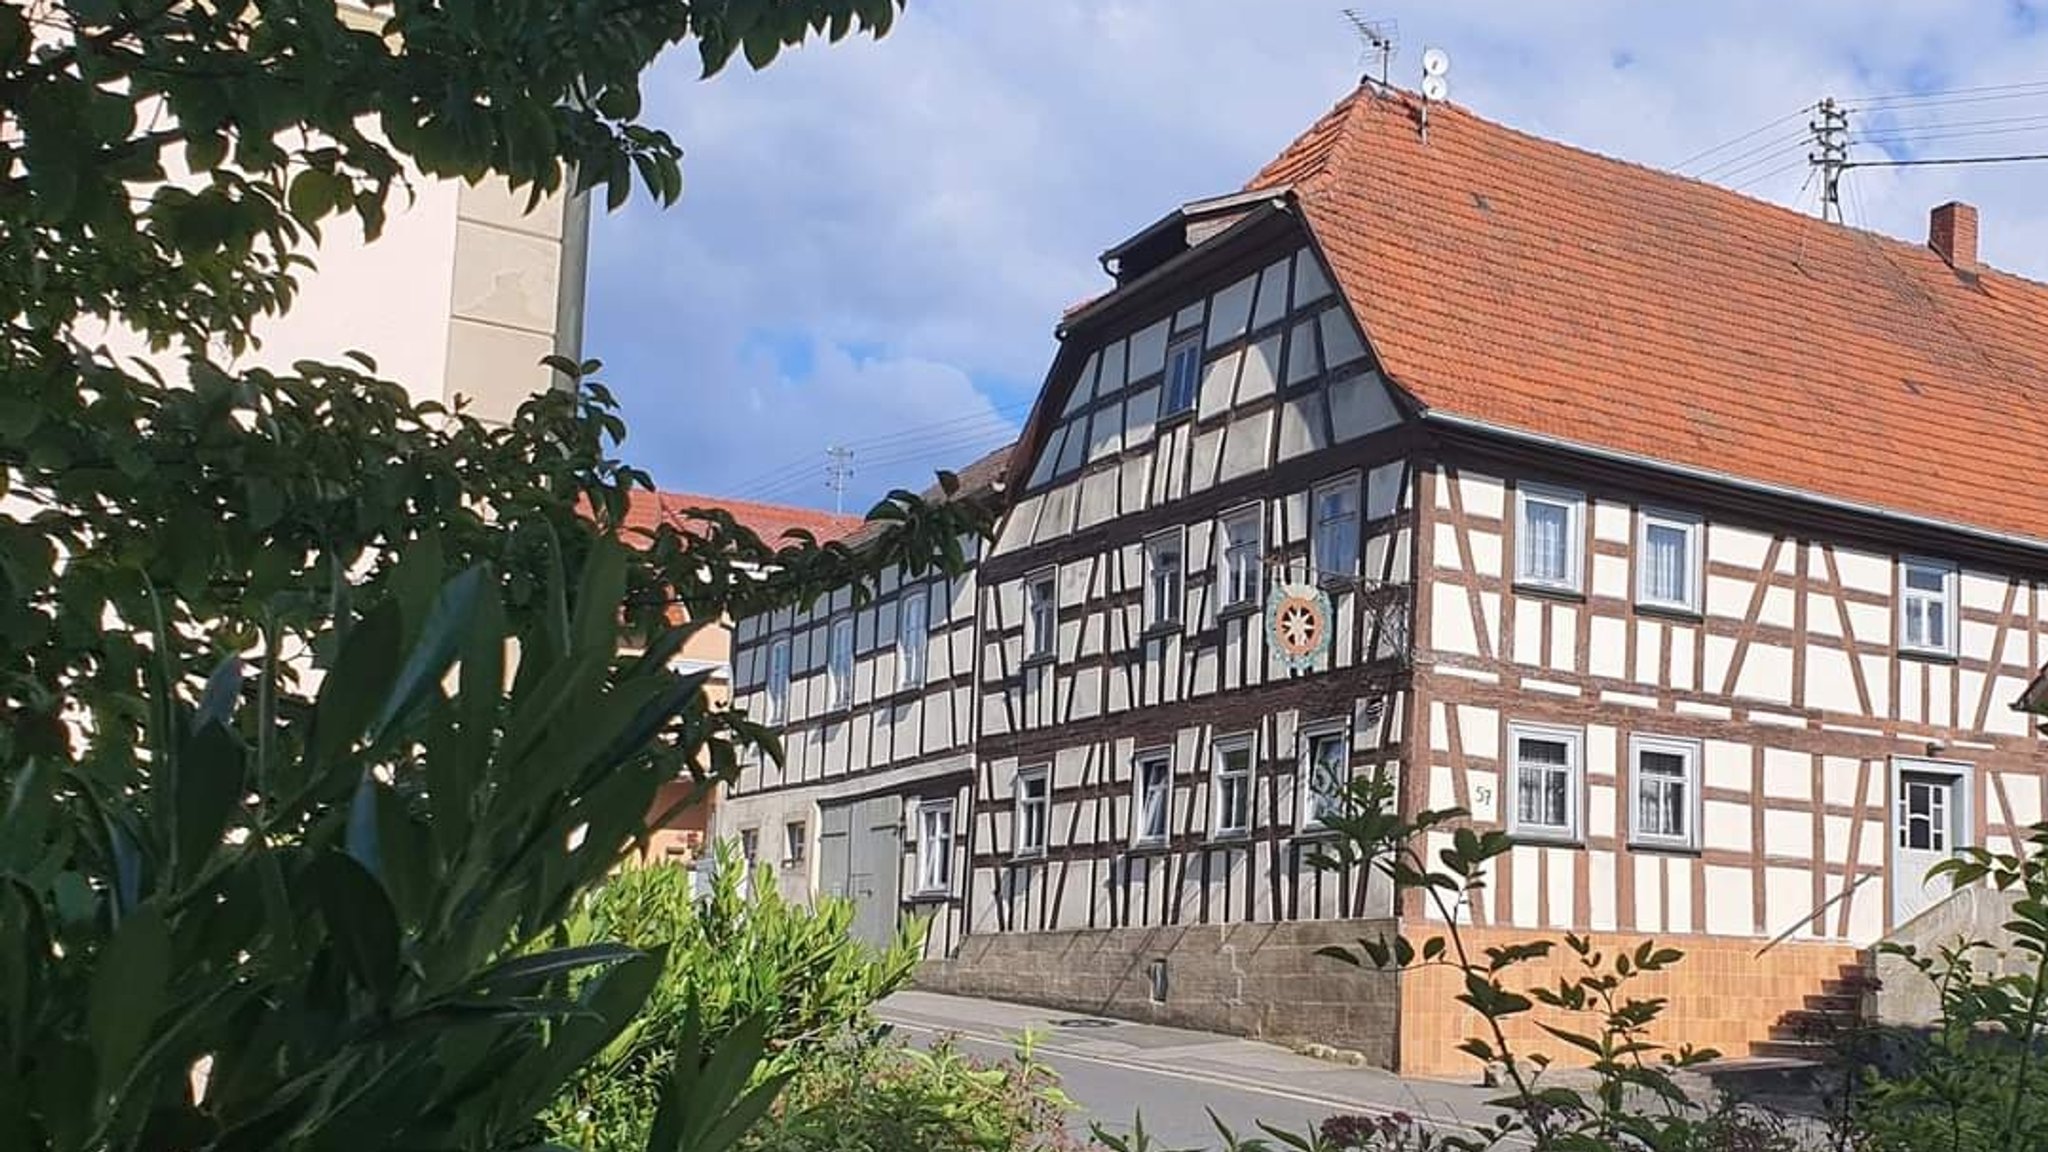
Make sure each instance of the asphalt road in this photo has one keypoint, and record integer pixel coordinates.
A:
(1116, 1071)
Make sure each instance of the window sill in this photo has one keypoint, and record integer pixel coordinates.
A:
(1542, 839)
(1162, 628)
(1035, 856)
(1927, 655)
(1167, 420)
(1042, 660)
(1233, 839)
(1550, 592)
(929, 896)
(1237, 609)
(1665, 847)
(1674, 612)
(1148, 848)
(1316, 832)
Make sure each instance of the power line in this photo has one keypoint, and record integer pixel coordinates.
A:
(1801, 162)
(1947, 160)
(779, 476)
(943, 446)
(1776, 144)
(1749, 135)
(804, 473)
(1758, 161)
(1954, 95)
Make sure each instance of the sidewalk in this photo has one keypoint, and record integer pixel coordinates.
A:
(1114, 1068)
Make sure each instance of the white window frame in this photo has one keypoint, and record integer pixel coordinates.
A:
(1689, 752)
(1155, 612)
(935, 847)
(796, 843)
(1951, 583)
(1307, 820)
(1351, 485)
(1192, 342)
(1037, 646)
(839, 663)
(1574, 740)
(912, 645)
(1141, 837)
(1229, 548)
(1245, 743)
(1020, 846)
(1695, 558)
(750, 846)
(778, 680)
(1574, 504)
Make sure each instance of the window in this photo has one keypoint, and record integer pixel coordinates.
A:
(1923, 813)
(913, 639)
(935, 846)
(1666, 790)
(794, 843)
(1549, 544)
(1668, 561)
(1152, 785)
(778, 680)
(1238, 535)
(750, 844)
(1545, 782)
(1162, 579)
(1183, 376)
(1927, 606)
(1325, 772)
(1231, 788)
(1041, 613)
(839, 661)
(1335, 542)
(1033, 798)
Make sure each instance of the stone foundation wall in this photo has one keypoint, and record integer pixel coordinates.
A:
(1263, 981)
(1905, 998)
(1719, 995)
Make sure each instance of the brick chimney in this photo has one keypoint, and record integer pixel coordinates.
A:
(1952, 233)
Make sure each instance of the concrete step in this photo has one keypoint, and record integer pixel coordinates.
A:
(1805, 1052)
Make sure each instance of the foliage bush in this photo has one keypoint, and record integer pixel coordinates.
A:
(739, 953)
(882, 1096)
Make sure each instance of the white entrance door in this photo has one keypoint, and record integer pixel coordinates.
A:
(1928, 822)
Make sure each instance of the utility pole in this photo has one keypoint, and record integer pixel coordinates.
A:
(1830, 155)
(838, 470)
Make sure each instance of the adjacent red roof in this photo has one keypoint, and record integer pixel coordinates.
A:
(1523, 283)
(768, 521)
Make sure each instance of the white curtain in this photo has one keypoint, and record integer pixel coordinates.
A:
(1544, 550)
(1664, 565)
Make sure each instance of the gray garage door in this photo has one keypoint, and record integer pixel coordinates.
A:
(860, 858)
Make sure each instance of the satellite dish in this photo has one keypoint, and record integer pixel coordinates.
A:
(1435, 62)
(1434, 89)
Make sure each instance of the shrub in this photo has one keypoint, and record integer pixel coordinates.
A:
(731, 956)
(885, 1097)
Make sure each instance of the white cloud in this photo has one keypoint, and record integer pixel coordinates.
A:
(934, 200)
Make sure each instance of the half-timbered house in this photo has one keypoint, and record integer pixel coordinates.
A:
(874, 702)
(1683, 537)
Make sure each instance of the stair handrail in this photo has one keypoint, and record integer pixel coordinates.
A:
(1817, 913)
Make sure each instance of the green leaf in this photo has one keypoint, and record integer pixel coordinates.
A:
(361, 924)
(349, 693)
(210, 782)
(440, 638)
(129, 984)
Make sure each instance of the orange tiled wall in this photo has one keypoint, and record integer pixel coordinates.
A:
(1722, 995)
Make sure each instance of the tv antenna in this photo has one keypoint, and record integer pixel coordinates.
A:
(1378, 40)
(838, 470)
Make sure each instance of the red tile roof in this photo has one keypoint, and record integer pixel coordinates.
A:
(1522, 283)
(768, 521)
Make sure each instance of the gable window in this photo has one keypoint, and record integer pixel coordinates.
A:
(795, 842)
(935, 847)
(1152, 799)
(913, 640)
(839, 661)
(1927, 607)
(1668, 561)
(778, 680)
(1335, 543)
(1041, 613)
(1326, 773)
(1667, 792)
(1033, 799)
(1231, 788)
(1545, 779)
(1549, 541)
(1163, 594)
(1183, 376)
(1238, 535)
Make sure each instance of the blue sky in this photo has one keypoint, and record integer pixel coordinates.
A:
(876, 239)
